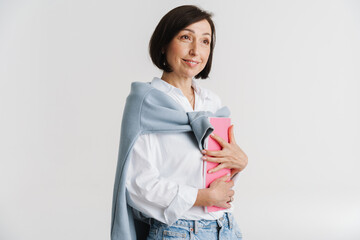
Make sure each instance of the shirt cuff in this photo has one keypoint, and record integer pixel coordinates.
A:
(183, 201)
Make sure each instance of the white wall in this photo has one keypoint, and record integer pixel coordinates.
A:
(289, 71)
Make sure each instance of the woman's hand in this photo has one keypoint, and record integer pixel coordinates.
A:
(221, 193)
(231, 156)
(218, 194)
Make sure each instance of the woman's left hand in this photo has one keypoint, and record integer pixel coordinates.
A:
(230, 156)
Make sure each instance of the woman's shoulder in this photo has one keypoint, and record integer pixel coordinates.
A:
(211, 95)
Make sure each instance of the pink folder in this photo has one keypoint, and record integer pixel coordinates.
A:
(221, 128)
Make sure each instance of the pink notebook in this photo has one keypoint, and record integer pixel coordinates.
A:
(221, 127)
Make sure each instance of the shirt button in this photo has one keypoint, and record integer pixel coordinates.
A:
(221, 218)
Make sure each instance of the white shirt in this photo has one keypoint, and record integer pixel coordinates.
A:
(166, 170)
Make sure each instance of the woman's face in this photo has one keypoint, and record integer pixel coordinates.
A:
(188, 52)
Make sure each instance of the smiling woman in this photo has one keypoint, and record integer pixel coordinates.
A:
(159, 190)
(176, 23)
(188, 52)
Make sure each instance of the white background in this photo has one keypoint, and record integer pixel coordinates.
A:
(288, 70)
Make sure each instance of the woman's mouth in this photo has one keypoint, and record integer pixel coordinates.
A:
(190, 63)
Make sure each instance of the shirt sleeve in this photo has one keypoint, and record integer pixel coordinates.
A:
(149, 191)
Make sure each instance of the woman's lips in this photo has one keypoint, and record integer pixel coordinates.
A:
(191, 63)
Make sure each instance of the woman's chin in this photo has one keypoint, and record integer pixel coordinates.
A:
(191, 74)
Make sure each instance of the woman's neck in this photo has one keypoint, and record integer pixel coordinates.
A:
(184, 84)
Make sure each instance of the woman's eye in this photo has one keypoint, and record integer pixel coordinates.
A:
(186, 37)
(206, 42)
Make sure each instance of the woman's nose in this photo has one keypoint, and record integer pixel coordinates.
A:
(194, 49)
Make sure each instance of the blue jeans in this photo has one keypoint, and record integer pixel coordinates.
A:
(225, 228)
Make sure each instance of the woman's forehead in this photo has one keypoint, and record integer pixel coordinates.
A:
(202, 27)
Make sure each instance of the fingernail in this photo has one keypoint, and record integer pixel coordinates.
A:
(212, 134)
(203, 151)
(203, 158)
(210, 171)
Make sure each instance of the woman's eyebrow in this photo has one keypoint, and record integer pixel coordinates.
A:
(186, 29)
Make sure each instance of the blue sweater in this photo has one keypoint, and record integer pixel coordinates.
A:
(149, 110)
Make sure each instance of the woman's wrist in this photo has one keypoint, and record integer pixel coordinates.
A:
(203, 198)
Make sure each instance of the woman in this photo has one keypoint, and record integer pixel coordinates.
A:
(159, 176)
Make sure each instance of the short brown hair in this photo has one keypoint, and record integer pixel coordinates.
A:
(170, 25)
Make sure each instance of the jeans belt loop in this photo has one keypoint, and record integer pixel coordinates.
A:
(230, 220)
(196, 226)
(219, 223)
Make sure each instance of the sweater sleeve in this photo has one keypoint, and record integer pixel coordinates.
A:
(149, 192)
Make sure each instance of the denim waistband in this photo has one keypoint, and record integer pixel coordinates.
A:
(194, 225)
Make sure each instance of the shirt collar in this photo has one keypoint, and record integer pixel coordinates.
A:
(166, 87)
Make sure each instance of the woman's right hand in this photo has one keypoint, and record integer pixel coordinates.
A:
(220, 192)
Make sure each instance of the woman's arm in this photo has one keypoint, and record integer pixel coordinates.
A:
(145, 184)
(159, 197)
